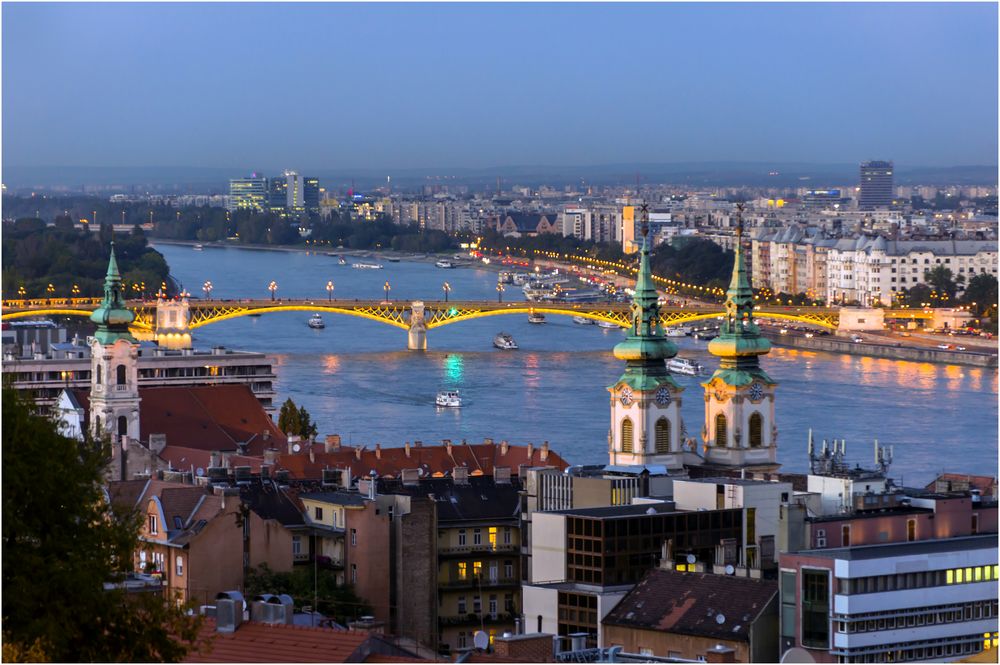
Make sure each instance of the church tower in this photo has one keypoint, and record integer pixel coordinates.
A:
(114, 374)
(739, 428)
(645, 402)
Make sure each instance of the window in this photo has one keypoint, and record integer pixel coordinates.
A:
(492, 533)
(508, 569)
(845, 535)
(506, 535)
(461, 536)
(179, 562)
(815, 608)
(477, 605)
(663, 435)
(493, 606)
(756, 430)
(477, 569)
(494, 569)
(508, 602)
(152, 525)
(319, 513)
(354, 537)
(911, 530)
(720, 430)
(627, 435)
(354, 573)
(296, 545)
(120, 373)
(100, 375)
(463, 570)
(477, 536)
(463, 642)
(787, 583)
(751, 526)
(122, 426)
(461, 605)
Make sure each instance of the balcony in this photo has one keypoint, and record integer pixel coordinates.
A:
(474, 582)
(474, 619)
(484, 548)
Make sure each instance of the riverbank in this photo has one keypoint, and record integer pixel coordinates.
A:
(915, 354)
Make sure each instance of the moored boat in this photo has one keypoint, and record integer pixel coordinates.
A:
(583, 321)
(607, 324)
(198, 248)
(444, 263)
(367, 266)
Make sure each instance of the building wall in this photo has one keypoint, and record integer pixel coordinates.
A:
(548, 548)
(366, 563)
(270, 543)
(665, 645)
(413, 578)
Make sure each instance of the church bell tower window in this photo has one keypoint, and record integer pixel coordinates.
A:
(756, 430)
(627, 435)
(663, 435)
(720, 430)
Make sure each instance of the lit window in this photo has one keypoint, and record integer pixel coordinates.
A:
(950, 576)
(477, 568)
(462, 570)
(979, 573)
(493, 537)
(959, 576)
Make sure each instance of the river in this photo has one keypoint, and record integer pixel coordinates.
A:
(357, 379)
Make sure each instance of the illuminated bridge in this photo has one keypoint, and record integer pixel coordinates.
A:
(164, 319)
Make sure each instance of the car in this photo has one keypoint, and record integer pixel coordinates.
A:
(960, 348)
(857, 339)
(783, 331)
(809, 335)
(944, 346)
(904, 334)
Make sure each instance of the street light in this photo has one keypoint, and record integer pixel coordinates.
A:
(500, 291)
(20, 291)
(387, 287)
(446, 287)
(272, 287)
(75, 291)
(50, 290)
(329, 290)
(207, 288)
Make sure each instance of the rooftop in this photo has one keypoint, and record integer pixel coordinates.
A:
(718, 480)
(917, 548)
(621, 511)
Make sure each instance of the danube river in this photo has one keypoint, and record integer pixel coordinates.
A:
(357, 379)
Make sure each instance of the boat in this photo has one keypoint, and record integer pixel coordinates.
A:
(504, 342)
(583, 321)
(678, 331)
(706, 335)
(342, 261)
(198, 248)
(684, 366)
(316, 321)
(536, 317)
(392, 259)
(448, 399)
(607, 324)
(444, 263)
(367, 266)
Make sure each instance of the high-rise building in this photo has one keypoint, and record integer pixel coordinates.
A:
(293, 194)
(248, 193)
(876, 185)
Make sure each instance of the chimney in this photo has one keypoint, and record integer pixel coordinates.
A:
(270, 456)
(460, 475)
(407, 449)
(530, 450)
(215, 458)
(266, 435)
(157, 442)
(378, 451)
(447, 443)
(544, 453)
(332, 443)
(312, 454)
(417, 444)
(293, 442)
(357, 452)
(504, 447)
(228, 611)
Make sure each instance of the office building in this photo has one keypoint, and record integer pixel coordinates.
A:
(876, 185)
(248, 193)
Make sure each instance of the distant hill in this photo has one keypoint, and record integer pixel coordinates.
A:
(752, 174)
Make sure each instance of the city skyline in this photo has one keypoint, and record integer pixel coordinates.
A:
(480, 85)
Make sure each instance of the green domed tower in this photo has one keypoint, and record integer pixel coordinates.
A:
(645, 401)
(112, 317)
(739, 425)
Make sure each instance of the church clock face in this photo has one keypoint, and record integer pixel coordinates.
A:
(626, 396)
(663, 396)
(756, 392)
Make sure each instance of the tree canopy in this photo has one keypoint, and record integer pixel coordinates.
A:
(61, 543)
(295, 420)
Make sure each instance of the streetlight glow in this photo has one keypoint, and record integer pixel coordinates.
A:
(329, 290)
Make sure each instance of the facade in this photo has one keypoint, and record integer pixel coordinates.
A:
(932, 600)
(876, 185)
(248, 194)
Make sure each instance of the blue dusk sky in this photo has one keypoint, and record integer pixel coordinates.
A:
(333, 86)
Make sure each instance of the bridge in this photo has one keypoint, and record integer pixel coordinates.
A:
(174, 319)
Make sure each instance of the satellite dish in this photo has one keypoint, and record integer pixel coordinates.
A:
(729, 569)
(296, 448)
(199, 472)
(691, 558)
(480, 639)
(720, 619)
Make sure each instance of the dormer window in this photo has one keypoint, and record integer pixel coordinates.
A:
(152, 525)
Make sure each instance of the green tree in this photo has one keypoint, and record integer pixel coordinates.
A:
(61, 543)
(942, 283)
(917, 295)
(308, 585)
(307, 427)
(981, 295)
(295, 420)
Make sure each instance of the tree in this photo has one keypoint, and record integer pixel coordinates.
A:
(941, 282)
(61, 543)
(981, 294)
(295, 420)
(306, 584)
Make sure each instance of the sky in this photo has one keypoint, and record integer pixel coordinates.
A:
(335, 86)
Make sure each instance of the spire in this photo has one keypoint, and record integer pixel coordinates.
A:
(113, 317)
(739, 341)
(646, 347)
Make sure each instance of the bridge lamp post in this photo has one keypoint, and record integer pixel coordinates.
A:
(272, 287)
(387, 289)
(75, 291)
(500, 291)
(21, 292)
(50, 290)
(446, 287)
(207, 288)
(329, 290)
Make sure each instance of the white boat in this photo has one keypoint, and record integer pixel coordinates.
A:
(536, 317)
(448, 398)
(444, 263)
(367, 266)
(504, 342)
(684, 366)
(521, 278)
(678, 331)
(342, 261)
(583, 321)
(198, 248)
(316, 321)
(607, 324)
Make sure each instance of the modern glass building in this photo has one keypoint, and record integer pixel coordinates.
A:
(876, 185)
(248, 193)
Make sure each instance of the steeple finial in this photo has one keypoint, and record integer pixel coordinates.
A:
(112, 317)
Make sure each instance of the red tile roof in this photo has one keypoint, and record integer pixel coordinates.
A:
(254, 642)
(184, 459)
(987, 485)
(207, 418)
(478, 458)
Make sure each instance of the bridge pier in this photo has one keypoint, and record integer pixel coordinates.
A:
(172, 319)
(416, 336)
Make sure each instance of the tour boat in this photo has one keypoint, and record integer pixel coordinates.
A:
(198, 248)
(367, 266)
(316, 321)
(448, 398)
(607, 324)
(583, 321)
(684, 366)
(678, 331)
(444, 263)
(536, 317)
(504, 342)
